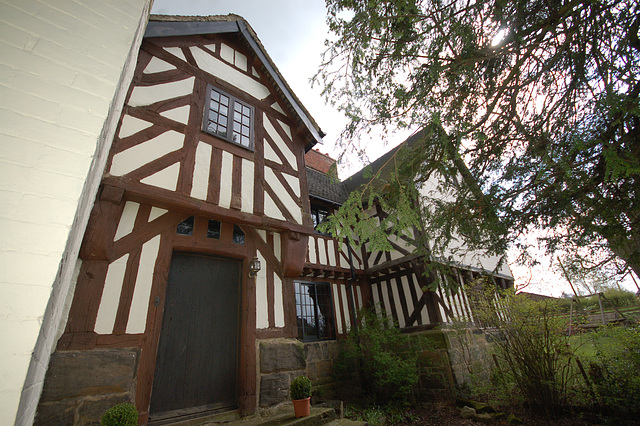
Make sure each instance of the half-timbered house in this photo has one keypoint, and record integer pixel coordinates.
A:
(203, 285)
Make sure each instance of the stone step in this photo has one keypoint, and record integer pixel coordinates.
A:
(318, 416)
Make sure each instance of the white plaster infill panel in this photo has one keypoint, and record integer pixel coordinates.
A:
(270, 154)
(275, 105)
(284, 148)
(226, 52)
(271, 209)
(376, 299)
(246, 189)
(385, 298)
(140, 302)
(293, 182)
(137, 156)
(132, 125)
(337, 307)
(158, 65)
(424, 314)
(278, 308)
(127, 220)
(322, 251)
(233, 56)
(331, 249)
(106, 317)
(177, 52)
(345, 308)
(262, 311)
(396, 301)
(226, 177)
(147, 95)
(312, 249)
(407, 293)
(200, 186)
(283, 195)
(360, 302)
(217, 68)
(286, 128)
(156, 212)
(165, 178)
(344, 262)
(180, 114)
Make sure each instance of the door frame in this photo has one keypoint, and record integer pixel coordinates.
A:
(224, 247)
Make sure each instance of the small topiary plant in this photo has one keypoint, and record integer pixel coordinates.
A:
(120, 415)
(300, 388)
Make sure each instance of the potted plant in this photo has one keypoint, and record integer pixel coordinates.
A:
(301, 395)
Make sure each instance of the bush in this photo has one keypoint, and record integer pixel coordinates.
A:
(614, 369)
(120, 415)
(300, 388)
(388, 369)
(533, 351)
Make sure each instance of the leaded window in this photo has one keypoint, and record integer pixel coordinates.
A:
(229, 118)
(314, 311)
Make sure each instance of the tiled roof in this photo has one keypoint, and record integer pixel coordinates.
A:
(325, 187)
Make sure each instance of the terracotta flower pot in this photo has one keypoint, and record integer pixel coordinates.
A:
(302, 407)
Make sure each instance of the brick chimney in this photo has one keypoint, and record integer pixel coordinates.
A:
(320, 162)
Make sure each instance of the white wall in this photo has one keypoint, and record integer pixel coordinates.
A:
(62, 84)
(456, 252)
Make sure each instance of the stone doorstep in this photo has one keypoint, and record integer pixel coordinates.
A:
(346, 422)
(321, 414)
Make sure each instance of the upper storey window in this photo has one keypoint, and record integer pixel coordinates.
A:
(228, 118)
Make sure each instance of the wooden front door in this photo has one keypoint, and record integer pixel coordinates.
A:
(197, 353)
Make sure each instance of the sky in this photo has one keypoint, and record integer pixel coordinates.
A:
(293, 32)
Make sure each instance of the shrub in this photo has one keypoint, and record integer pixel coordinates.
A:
(388, 369)
(300, 388)
(120, 415)
(534, 352)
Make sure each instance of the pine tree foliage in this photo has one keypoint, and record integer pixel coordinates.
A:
(539, 98)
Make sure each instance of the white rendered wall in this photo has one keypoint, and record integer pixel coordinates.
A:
(64, 71)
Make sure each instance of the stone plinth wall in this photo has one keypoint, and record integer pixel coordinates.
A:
(444, 360)
(281, 360)
(470, 351)
(81, 385)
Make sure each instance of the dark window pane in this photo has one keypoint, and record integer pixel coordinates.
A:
(238, 235)
(186, 226)
(213, 230)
